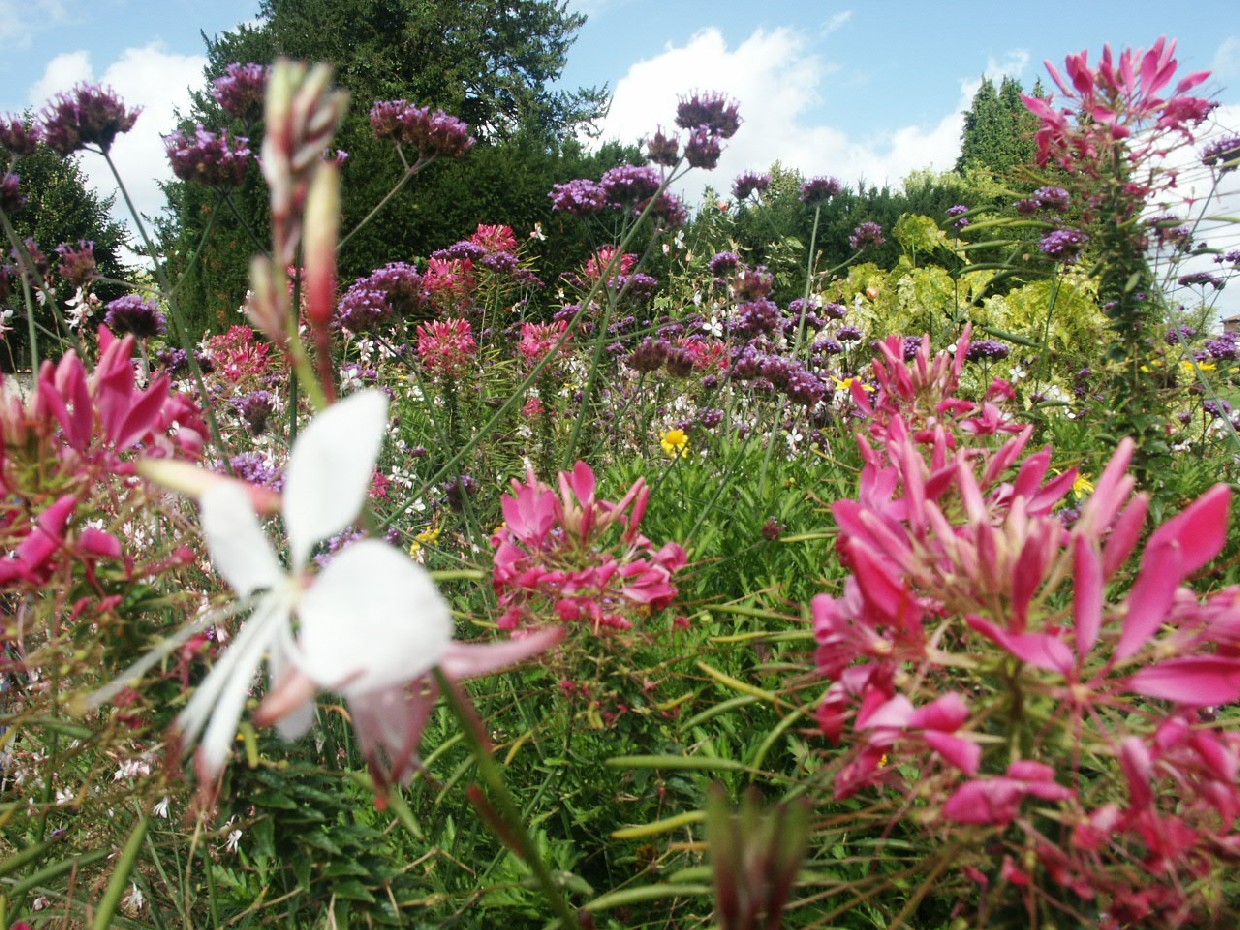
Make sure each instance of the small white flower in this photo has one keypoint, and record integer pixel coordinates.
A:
(371, 618)
(233, 843)
(161, 809)
(135, 900)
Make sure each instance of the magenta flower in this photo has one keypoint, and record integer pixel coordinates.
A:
(241, 89)
(714, 112)
(89, 116)
(577, 558)
(208, 158)
(446, 347)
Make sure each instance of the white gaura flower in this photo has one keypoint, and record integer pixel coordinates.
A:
(371, 619)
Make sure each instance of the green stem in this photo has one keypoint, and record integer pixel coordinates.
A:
(174, 311)
(505, 806)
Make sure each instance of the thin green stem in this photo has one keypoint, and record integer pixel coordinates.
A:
(505, 805)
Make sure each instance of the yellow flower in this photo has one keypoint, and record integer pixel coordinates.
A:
(428, 537)
(675, 443)
(1082, 486)
(1194, 366)
(847, 383)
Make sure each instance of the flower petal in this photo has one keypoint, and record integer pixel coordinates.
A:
(474, 660)
(237, 544)
(219, 700)
(1194, 681)
(372, 618)
(330, 469)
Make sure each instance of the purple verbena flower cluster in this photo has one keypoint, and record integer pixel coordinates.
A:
(433, 134)
(1063, 244)
(12, 200)
(241, 90)
(819, 190)
(990, 350)
(16, 137)
(711, 111)
(1202, 278)
(868, 235)
(134, 314)
(88, 115)
(208, 157)
(77, 262)
(1222, 153)
(750, 182)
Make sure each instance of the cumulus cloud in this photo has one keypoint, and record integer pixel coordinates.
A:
(777, 81)
(1227, 58)
(149, 77)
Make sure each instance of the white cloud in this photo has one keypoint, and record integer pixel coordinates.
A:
(1227, 58)
(20, 19)
(147, 77)
(777, 82)
(836, 22)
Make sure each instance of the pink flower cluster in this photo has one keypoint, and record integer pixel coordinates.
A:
(80, 428)
(579, 559)
(446, 346)
(538, 339)
(988, 675)
(1117, 100)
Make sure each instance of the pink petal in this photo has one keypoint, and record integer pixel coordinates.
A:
(1090, 587)
(1150, 598)
(1041, 650)
(1199, 531)
(947, 713)
(98, 544)
(461, 661)
(1193, 681)
(961, 753)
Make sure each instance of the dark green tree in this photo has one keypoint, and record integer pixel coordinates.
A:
(490, 63)
(998, 129)
(61, 208)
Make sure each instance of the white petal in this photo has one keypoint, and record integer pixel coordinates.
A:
(330, 469)
(297, 721)
(372, 618)
(236, 541)
(221, 695)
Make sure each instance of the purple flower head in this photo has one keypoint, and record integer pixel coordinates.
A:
(703, 149)
(579, 197)
(88, 115)
(16, 137)
(957, 213)
(255, 409)
(1202, 278)
(679, 362)
(1177, 334)
(256, 468)
(987, 349)
(172, 360)
(433, 134)
(638, 287)
(1222, 153)
(819, 190)
(1053, 198)
(77, 262)
(1027, 206)
(724, 263)
(627, 185)
(501, 262)
(849, 334)
(827, 347)
(835, 311)
(133, 314)
(755, 318)
(465, 249)
(1063, 244)
(669, 210)
(36, 255)
(714, 112)
(648, 355)
(663, 150)
(1223, 349)
(12, 200)
(753, 283)
(208, 158)
(804, 387)
(402, 286)
(363, 307)
(750, 182)
(1232, 255)
(241, 90)
(868, 234)
(457, 490)
(909, 347)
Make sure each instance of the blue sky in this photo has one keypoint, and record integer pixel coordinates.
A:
(862, 90)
